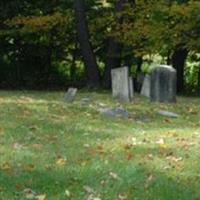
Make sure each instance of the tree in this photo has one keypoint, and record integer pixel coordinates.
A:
(114, 52)
(93, 79)
(168, 28)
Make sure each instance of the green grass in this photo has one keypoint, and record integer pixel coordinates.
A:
(66, 150)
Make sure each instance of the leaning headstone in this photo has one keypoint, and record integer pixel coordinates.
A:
(163, 84)
(122, 88)
(70, 95)
(145, 91)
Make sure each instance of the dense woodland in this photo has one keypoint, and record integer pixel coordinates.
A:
(59, 43)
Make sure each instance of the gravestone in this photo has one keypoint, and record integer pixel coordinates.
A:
(131, 87)
(70, 95)
(168, 114)
(122, 84)
(145, 91)
(163, 84)
(114, 112)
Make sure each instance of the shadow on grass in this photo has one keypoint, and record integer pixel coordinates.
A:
(133, 180)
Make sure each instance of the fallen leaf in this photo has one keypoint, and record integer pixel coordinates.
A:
(61, 162)
(83, 163)
(86, 145)
(122, 197)
(127, 146)
(129, 156)
(148, 180)
(37, 146)
(150, 156)
(168, 121)
(67, 193)
(18, 186)
(1, 131)
(100, 149)
(114, 175)
(160, 141)
(163, 146)
(29, 193)
(192, 111)
(103, 183)
(17, 146)
(92, 197)
(41, 197)
(5, 166)
(88, 189)
(29, 168)
(33, 128)
(174, 159)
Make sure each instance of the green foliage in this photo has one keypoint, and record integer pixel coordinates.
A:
(34, 30)
(157, 26)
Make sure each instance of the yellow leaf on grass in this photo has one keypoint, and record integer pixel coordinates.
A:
(61, 162)
(67, 193)
(29, 168)
(5, 166)
(41, 197)
(163, 146)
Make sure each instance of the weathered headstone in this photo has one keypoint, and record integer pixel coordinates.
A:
(122, 84)
(163, 84)
(145, 91)
(70, 95)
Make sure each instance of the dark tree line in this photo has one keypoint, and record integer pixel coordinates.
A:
(79, 42)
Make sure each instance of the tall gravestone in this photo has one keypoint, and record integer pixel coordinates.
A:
(122, 84)
(163, 84)
(146, 86)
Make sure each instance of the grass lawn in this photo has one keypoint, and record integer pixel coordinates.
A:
(56, 151)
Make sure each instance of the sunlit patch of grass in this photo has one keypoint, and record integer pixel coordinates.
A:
(52, 147)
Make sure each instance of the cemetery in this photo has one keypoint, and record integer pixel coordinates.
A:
(100, 100)
(57, 145)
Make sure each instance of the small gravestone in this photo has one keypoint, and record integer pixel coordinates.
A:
(70, 95)
(163, 84)
(145, 91)
(114, 112)
(168, 114)
(122, 84)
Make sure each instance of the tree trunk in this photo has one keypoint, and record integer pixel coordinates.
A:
(73, 64)
(139, 65)
(168, 58)
(137, 83)
(113, 59)
(92, 74)
(178, 61)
